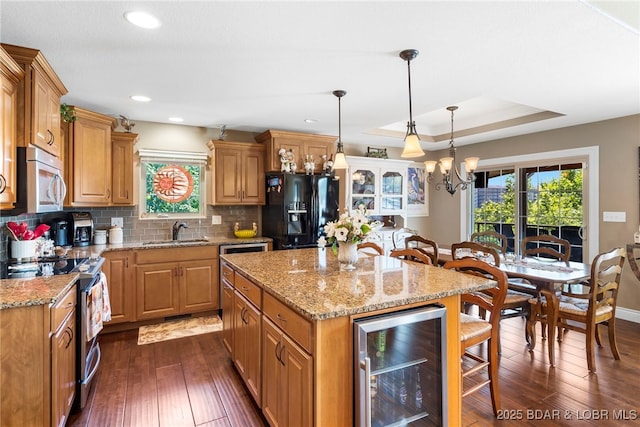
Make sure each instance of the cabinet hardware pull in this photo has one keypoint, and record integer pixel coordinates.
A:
(126, 194)
(3, 184)
(52, 139)
(126, 262)
(69, 331)
(282, 347)
(281, 318)
(108, 193)
(276, 351)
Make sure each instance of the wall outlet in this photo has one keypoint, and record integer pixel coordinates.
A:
(216, 220)
(614, 216)
(117, 221)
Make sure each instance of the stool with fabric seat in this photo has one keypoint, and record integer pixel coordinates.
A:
(516, 303)
(476, 330)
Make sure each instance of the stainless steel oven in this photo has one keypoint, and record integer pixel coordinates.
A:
(90, 311)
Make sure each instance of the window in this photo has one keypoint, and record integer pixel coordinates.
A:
(554, 193)
(172, 184)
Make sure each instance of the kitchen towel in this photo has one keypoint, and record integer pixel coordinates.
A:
(98, 307)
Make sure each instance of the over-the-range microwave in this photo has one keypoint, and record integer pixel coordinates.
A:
(41, 187)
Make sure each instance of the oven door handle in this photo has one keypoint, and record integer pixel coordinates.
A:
(87, 380)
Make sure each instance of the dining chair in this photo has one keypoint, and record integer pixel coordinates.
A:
(544, 246)
(370, 248)
(584, 307)
(516, 303)
(476, 330)
(492, 239)
(427, 246)
(411, 254)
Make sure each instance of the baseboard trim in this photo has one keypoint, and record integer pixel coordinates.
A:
(628, 314)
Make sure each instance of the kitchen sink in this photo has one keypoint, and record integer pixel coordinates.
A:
(173, 242)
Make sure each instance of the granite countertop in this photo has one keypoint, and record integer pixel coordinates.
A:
(34, 291)
(310, 281)
(86, 251)
(46, 290)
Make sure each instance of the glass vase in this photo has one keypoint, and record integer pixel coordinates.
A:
(348, 255)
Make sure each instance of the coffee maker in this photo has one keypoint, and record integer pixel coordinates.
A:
(81, 228)
(60, 232)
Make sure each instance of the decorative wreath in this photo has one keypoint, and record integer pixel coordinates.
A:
(173, 184)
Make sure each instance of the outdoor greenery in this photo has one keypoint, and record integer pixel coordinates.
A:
(557, 202)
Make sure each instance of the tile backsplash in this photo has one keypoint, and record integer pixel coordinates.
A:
(136, 230)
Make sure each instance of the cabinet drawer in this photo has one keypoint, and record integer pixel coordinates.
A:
(249, 289)
(291, 323)
(184, 253)
(62, 308)
(228, 274)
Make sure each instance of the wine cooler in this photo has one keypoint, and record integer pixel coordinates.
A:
(400, 366)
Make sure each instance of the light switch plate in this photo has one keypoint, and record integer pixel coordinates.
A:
(216, 220)
(614, 216)
(117, 220)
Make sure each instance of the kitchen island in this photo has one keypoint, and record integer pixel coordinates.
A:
(288, 324)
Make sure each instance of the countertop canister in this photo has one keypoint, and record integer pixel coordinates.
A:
(115, 235)
(100, 237)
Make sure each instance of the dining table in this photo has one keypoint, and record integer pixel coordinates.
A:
(548, 276)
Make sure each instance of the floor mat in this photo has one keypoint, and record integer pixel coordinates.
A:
(178, 329)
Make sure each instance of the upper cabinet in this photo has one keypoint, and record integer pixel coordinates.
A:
(10, 75)
(378, 184)
(39, 96)
(122, 171)
(88, 165)
(302, 145)
(237, 176)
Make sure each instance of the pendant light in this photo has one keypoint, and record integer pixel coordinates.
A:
(340, 161)
(411, 140)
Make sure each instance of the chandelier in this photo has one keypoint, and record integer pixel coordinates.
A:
(340, 161)
(449, 169)
(411, 140)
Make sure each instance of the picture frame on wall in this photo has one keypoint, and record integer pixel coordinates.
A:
(417, 190)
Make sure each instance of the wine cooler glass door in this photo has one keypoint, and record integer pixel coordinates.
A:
(400, 366)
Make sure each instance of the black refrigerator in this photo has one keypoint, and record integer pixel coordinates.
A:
(297, 208)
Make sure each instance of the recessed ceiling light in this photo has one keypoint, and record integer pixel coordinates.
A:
(310, 121)
(142, 20)
(140, 98)
(176, 119)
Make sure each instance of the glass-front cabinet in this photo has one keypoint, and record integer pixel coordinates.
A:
(380, 185)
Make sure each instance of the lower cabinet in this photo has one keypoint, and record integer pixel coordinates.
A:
(287, 379)
(38, 354)
(246, 343)
(226, 281)
(176, 281)
(118, 267)
(63, 370)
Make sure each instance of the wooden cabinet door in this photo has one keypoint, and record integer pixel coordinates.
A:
(122, 170)
(199, 285)
(246, 342)
(63, 371)
(271, 366)
(121, 286)
(227, 316)
(296, 384)
(317, 149)
(157, 291)
(8, 111)
(253, 189)
(91, 163)
(46, 104)
(228, 175)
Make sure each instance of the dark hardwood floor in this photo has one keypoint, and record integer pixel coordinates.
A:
(191, 382)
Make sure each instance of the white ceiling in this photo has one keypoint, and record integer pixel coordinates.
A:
(263, 65)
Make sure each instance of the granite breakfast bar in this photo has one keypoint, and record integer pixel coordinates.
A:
(288, 324)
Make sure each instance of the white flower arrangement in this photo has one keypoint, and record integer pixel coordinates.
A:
(349, 228)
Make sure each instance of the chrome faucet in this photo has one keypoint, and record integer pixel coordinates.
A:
(176, 229)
